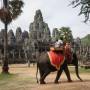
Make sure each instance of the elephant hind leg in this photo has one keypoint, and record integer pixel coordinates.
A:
(41, 75)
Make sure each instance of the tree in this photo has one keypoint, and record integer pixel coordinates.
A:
(63, 33)
(84, 7)
(66, 34)
(10, 11)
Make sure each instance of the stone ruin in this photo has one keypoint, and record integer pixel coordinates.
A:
(11, 38)
(39, 30)
(23, 42)
(16, 44)
(55, 34)
(18, 36)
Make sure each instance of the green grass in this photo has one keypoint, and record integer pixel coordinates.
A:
(6, 76)
(81, 70)
(14, 77)
(21, 81)
(15, 82)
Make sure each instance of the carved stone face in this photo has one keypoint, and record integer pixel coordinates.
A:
(39, 30)
(11, 38)
(38, 16)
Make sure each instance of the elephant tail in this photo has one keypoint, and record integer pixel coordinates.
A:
(37, 73)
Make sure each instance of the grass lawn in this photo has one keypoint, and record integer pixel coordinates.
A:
(81, 70)
(16, 80)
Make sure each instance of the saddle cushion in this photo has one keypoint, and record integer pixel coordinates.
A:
(56, 49)
(56, 59)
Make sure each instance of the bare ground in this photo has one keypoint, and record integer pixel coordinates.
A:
(26, 80)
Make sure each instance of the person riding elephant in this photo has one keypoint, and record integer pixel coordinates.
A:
(68, 52)
(46, 66)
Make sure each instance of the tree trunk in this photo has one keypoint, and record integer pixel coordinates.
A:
(5, 67)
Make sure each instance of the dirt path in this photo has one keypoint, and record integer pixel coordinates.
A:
(24, 72)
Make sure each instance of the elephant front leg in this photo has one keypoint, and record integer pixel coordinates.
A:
(43, 77)
(58, 75)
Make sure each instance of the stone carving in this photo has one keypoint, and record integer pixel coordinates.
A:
(55, 34)
(39, 30)
(26, 43)
(11, 38)
(2, 37)
(18, 36)
(25, 35)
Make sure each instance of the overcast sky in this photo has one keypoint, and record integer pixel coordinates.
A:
(56, 13)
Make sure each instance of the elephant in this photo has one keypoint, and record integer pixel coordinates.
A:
(45, 67)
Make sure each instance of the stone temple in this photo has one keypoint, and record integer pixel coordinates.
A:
(39, 30)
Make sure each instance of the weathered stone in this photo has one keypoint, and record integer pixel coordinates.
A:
(25, 34)
(18, 36)
(11, 38)
(55, 34)
(39, 30)
(2, 37)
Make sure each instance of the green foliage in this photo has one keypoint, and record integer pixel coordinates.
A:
(66, 34)
(63, 33)
(13, 11)
(15, 7)
(84, 7)
(86, 40)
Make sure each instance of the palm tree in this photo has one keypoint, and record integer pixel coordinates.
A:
(10, 11)
(66, 34)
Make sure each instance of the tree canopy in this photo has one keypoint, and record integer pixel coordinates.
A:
(84, 8)
(66, 34)
(63, 33)
(13, 11)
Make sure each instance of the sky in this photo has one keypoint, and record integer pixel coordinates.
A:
(57, 13)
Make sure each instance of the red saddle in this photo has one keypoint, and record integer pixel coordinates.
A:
(56, 59)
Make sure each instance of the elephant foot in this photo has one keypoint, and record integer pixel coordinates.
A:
(69, 80)
(81, 80)
(56, 82)
(42, 82)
